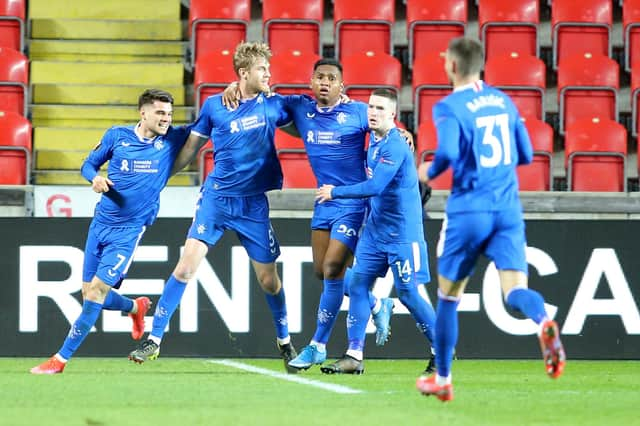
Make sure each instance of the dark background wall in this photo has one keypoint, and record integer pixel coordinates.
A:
(588, 270)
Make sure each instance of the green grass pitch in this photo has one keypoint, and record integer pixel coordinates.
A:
(187, 391)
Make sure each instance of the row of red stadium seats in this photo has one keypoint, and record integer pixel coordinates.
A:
(505, 26)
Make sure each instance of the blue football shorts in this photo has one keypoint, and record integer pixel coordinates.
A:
(465, 236)
(408, 261)
(109, 251)
(344, 222)
(247, 216)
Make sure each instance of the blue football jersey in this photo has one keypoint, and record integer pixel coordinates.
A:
(481, 136)
(334, 140)
(243, 144)
(139, 169)
(396, 209)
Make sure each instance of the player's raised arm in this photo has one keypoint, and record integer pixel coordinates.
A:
(195, 141)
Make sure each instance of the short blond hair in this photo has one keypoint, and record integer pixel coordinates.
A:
(247, 53)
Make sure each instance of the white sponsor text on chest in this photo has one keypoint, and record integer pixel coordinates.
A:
(327, 138)
(252, 122)
(145, 166)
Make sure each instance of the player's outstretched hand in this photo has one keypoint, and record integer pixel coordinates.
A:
(422, 172)
(324, 193)
(231, 96)
(101, 184)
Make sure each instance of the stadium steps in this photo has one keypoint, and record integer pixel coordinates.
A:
(112, 9)
(106, 29)
(89, 63)
(95, 116)
(97, 94)
(107, 50)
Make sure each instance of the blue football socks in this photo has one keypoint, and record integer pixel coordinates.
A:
(169, 301)
(278, 306)
(117, 302)
(359, 309)
(529, 302)
(348, 273)
(446, 334)
(330, 301)
(80, 328)
(421, 311)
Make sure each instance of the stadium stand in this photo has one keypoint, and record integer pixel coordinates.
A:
(430, 84)
(426, 145)
(217, 25)
(432, 23)
(291, 71)
(363, 72)
(595, 155)
(587, 88)
(12, 24)
(15, 149)
(631, 29)
(523, 77)
(213, 72)
(363, 25)
(14, 80)
(509, 26)
(87, 64)
(538, 176)
(292, 25)
(580, 30)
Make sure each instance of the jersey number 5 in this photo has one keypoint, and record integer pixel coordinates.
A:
(500, 147)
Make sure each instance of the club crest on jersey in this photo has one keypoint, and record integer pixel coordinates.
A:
(159, 144)
(341, 118)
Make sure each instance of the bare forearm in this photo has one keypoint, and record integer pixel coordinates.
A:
(188, 153)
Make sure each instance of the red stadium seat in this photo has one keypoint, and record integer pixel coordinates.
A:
(508, 26)
(12, 24)
(583, 27)
(15, 149)
(213, 72)
(430, 84)
(595, 155)
(371, 70)
(292, 25)
(587, 88)
(523, 78)
(635, 96)
(217, 25)
(537, 176)
(631, 26)
(285, 141)
(296, 169)
(425, 149)
(431, 24)
(291, 72)
(14, 80)
(363, 25)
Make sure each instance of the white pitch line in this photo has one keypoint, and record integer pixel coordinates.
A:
(291, 378)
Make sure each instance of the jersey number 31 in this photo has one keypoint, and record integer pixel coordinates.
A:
(500, 147)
